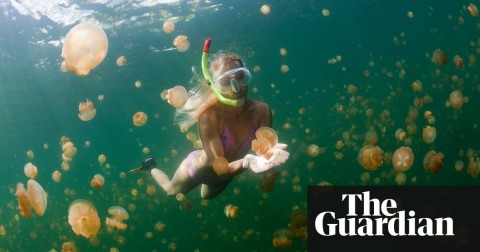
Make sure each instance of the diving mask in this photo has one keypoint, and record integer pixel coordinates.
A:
(232, 80)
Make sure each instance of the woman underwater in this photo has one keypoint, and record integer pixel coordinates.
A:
(226, 122)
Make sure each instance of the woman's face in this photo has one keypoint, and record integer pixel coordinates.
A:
(238, 79)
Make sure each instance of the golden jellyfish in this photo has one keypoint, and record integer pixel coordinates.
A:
(473, 167)
(98, 181)
(83, 218)
(266, 138)
(121, 61)
(370, 157)
(284, 68)
(400, 134)
(283, 51)
(168, 26)
(298, 224)
(326, 12)
(282, 238)
(138, 84)
(84, 48)
(140, 119)
(160, 226)
(177, 96)
(24, 205)
(402, 159)
(433, 161)
(37, 197)
(69, 247)
(86, 111)
(231, 211)
(181, 43)
(265, 9)
(119, 214)
(458, 61)
(56, 176)
(472, 8)
(220, 166)
(439, 57)
(429, 134)
(30, 154)
(30, 170)
(314, 150)
(267, 183)
(456, 99)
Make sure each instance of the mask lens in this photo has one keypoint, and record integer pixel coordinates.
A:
(232, 80)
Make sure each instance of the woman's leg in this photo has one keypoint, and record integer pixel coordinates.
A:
(181, 181)
(212, 191)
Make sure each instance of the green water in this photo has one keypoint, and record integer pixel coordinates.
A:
(39, 105)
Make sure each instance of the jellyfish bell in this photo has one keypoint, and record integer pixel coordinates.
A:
(402, 159)
(37, 197)
(456, 99)
(439, 57)
(24, 205)
(220, 166)
(429, 134)
(370, 157)
(298, 224)
(282, 238)
(98, 181)
(121, 61)
(433, 161)
(84, 48)
(83, 218)
(177, 96)
(118, 212)
(266, 138)
(231, 211)
(168, 26)
(140, 119)
(86, 111)
(30, 170)
(181, 43)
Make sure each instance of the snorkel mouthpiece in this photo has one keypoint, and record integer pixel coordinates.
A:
(234, 85)
(206, 75)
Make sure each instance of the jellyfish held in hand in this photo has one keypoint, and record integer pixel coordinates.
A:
(266, 139)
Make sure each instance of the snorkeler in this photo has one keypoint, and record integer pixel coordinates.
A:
(226, 122)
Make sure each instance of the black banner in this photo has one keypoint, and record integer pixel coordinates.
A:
(386, 218)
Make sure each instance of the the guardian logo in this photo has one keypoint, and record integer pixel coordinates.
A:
(371, 217)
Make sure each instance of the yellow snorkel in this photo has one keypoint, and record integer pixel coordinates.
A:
(206, 75)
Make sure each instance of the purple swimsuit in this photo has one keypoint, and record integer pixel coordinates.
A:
(229, 147)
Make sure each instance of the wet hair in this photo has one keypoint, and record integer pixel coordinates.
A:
(201, 96)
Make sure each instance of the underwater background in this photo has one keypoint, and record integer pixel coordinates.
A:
(352, 71)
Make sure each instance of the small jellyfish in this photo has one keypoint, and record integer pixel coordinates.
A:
(86, 111)
(30, 154)
(24, 205)
(472, 8)
(283, 51)
(456, 99)
(119, 214)
(37, 197)
(98, 181)
(458, 61)
(313, 150)
(298, 224)
(400, 134)
(56, 176)
(121, 61)
(168, 26)
(84, 48)
(138, 84)
(433, 161)
(83, 218)
(102, 159)
(370, 157)
(177, 96)
(267, 183)
(439, 57)
(266, 138)
(140, 119)
(429, 134)
(231, 211)
(402, 159)
(30, 170)
(181, 43)
(265, 9)
(220, 166)
(284, 68)
(282, 238)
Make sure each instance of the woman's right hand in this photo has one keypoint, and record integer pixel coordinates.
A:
(260, 164)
